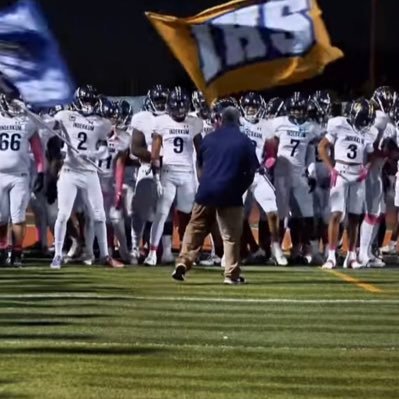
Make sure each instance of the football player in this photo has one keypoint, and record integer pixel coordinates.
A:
(321, 102)
(145, 197)
(383, 100)
(294, 138)
(113, 168)
(18, 135)
(178, 134)
(348, 138)
(87, 132)
(262, 190)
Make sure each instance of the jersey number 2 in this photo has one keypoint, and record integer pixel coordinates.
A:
(82, 136)
(178, 145)
(10, 141)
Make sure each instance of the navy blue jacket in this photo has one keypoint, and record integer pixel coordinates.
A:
(228, 161)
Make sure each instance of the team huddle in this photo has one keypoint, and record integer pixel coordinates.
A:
(110, 184)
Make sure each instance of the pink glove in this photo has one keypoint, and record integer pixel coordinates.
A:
(270, 162)
(363, 174)
(333, 177)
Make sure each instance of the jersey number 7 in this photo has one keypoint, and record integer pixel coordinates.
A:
(295, 146)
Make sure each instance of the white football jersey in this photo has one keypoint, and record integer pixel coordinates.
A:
(144, 122)
(294, 140)
(350, 146)
(381, 120)
(15, 134)
(84, 133)
(258, 133)
(207, 126)
(117, 143)
(177, 139)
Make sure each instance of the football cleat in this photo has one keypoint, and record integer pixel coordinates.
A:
(151, 259)
(329, 264)
(56, 262)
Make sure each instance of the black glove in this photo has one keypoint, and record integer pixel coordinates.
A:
(39, 182)
(51, 192)
(311, 183)
(386, 182)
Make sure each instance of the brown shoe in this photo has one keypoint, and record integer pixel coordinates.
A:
(111, 262)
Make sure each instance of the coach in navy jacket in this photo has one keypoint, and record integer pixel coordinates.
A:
(226, 165)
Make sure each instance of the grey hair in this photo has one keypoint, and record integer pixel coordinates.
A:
(231, 116)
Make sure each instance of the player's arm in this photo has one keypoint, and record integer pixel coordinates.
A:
(270, 152)
(38, 154)
(156, 150)
(138, 146)
(120, 165)
(324, 153)
(156, 161)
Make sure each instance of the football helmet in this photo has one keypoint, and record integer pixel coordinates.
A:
(323, 102)
(251, 106)
(274, 108)
(108, 109)
(384, 98)
(178, 104)
(200, 105)
(86, 100)
(219, 105)
(156, 100)
(362, 114)
(297, 106)
(314, 112)
(124, 115)
(7, 108)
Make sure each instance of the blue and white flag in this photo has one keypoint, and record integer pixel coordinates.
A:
(30, 59)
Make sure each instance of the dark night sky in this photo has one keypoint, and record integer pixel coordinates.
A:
(112, 45)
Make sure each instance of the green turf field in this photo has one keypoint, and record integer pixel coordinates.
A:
(83, 333)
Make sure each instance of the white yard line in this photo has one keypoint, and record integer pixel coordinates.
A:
(83, 295)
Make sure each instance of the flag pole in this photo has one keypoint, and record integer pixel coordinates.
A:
(373, 32)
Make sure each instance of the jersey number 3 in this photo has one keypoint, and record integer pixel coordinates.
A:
(178, 145)
(10, 141)
(352, 151)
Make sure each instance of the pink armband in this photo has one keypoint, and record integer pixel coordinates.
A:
(119, 176)
(37, 150)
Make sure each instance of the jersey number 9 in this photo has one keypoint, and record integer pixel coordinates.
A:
(178, 145)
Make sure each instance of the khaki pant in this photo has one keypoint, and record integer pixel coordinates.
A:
(230, 221)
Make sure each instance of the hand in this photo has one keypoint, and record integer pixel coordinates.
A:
(118, 200)
(363, 174)
(159, 186)
(270, 162)
(333, 177)
(39, 182)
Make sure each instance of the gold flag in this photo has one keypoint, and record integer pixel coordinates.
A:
(249, 45)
